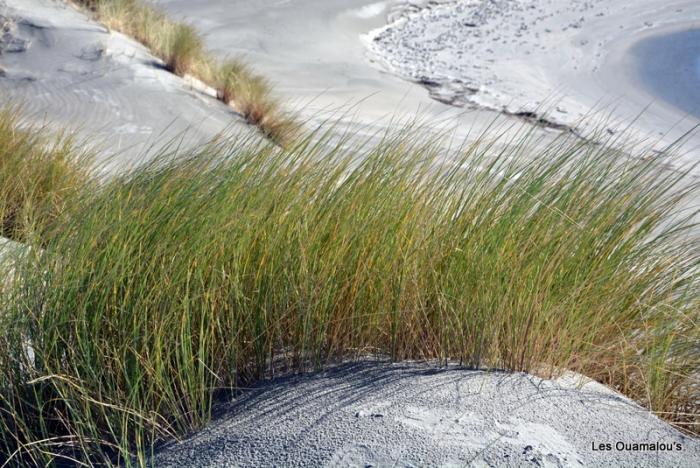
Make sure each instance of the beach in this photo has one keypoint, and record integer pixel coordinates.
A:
(369, 63)
(561, 63)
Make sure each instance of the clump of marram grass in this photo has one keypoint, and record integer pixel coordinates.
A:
(38, 175)
(197, 271)
(250, 94)
(185, 51)
(230, 75)
(181, 48)
(177, 44)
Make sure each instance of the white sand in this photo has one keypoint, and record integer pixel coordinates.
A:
(570, 59)
(70, 71)
(327, 54)
(313, 53)
(73, 72)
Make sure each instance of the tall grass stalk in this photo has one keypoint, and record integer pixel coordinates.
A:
(200, 270)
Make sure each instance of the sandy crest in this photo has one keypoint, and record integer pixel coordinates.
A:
(409, 415)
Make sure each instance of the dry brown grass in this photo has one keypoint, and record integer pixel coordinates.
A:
(181, 48)
(185, 51)
(250, 94)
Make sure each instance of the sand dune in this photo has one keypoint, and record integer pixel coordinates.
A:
(70, 71)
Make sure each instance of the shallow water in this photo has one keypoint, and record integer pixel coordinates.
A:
(669, 67)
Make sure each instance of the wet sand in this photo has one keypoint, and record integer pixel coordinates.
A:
(668, 64)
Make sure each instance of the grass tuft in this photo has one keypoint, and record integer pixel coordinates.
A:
(199, 271)
(185, 51)
(250, 94)
(38, 175)
(181, 48)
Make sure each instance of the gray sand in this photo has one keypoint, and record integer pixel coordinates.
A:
(70, 71)
(371, 414)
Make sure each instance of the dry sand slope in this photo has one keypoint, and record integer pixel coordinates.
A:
(412, 415)
(71, 71)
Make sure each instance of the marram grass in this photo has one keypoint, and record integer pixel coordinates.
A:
(39, 172)
(200, 270)
(182, 50)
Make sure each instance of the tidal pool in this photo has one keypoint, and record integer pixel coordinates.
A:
(668, 65)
